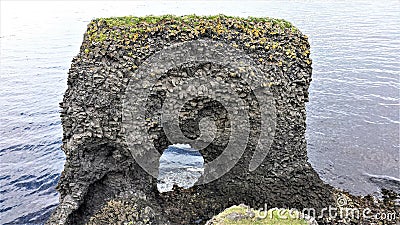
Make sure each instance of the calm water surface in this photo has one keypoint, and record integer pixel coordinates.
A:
(353, 113)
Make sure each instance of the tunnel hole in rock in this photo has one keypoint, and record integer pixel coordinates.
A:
(180, 165)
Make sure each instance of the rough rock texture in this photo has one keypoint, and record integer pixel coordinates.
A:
(132, 207)
(100, 166)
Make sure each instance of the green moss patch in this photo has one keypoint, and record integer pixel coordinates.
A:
(243, 215)
(136, 36)
(191, 24)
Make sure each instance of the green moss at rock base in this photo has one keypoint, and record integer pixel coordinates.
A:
(243, 215)
(136, 210)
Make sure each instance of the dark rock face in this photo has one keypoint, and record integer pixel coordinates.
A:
(138, 86)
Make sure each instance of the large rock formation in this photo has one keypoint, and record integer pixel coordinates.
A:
(233, 88)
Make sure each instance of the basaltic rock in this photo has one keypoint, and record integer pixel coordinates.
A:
(130, 69)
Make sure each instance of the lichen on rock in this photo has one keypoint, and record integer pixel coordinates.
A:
(128, 209)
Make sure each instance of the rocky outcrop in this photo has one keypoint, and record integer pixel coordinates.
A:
(140, 84)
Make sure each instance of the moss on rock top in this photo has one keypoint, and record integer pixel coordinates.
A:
(138, 36)
(191, 24)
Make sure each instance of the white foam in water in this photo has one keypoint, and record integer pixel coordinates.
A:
(195, 169)
(180, 164)
(385, 182)
(182, 146)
